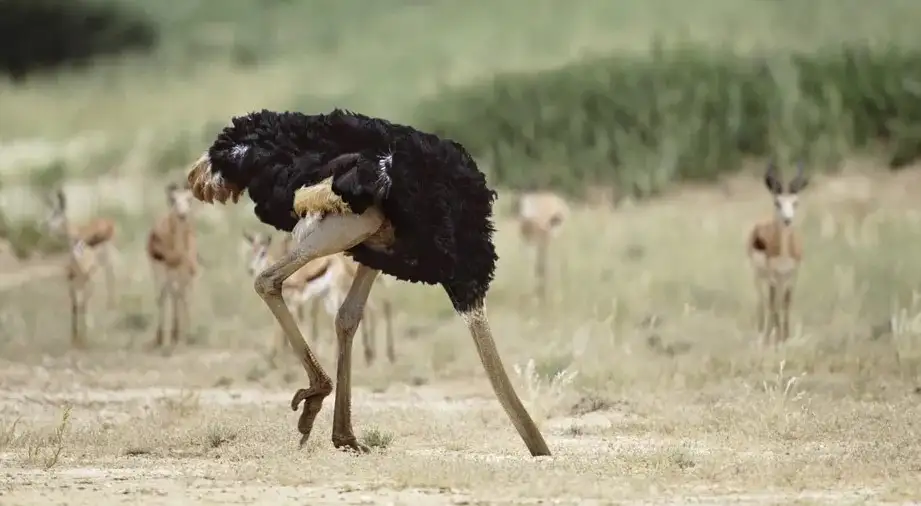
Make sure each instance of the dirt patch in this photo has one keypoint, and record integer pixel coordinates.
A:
(15, 273)
(158, 445)
(93, 486)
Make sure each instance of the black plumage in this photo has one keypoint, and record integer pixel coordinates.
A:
(429, 188)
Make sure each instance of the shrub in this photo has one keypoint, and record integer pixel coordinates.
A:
(41, 34)
(26, 238)
(684, 114)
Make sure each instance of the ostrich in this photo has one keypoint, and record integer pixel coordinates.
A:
(395, 199)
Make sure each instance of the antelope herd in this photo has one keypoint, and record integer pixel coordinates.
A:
(773, 248)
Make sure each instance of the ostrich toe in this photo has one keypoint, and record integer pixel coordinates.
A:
(313, 401)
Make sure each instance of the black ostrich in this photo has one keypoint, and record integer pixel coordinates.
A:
(397, 200)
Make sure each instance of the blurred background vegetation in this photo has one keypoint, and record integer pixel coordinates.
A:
(624, 94)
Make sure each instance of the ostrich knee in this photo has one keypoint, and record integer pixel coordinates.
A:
(267, 284)
(347, 320)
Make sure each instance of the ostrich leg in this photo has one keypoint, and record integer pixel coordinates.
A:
(476, 321)
(314, 237)
(347, 320)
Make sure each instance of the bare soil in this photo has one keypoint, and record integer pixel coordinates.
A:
(153, 441)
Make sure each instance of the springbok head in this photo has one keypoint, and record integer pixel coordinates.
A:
(56, 219)
(179, 199)
(785, 199)
(258, 252)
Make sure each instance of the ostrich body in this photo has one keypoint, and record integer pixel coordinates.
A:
(395, 199)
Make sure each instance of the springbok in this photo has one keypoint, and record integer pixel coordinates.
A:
(82, 263)
(540, 216)
(775, 252)
(173, 256)
(324, 280)
(95, 234)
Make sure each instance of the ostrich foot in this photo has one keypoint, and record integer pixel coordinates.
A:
(313, 401)
(348, 442)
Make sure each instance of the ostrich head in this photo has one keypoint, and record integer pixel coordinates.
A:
(209, 185)
(223, 171)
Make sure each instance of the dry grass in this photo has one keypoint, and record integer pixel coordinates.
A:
(642, 371)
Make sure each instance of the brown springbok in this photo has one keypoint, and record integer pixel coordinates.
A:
(173, 255)
(775, 252)
(540, 216)
(82, 263)
(97, 234)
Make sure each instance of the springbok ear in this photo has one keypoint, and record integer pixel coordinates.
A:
(171, 190)
(61, 198)
(772, 179)
(515, 206)
(800, 181)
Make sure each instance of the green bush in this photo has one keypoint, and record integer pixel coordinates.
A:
(27, 238)
(687, 114)
(181, 147)
(42, 34)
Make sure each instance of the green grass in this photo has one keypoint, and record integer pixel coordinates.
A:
(381, 58)
(595, 104)
(685, 114)
(630, 94)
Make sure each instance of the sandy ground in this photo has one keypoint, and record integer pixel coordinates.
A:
(144, 443)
